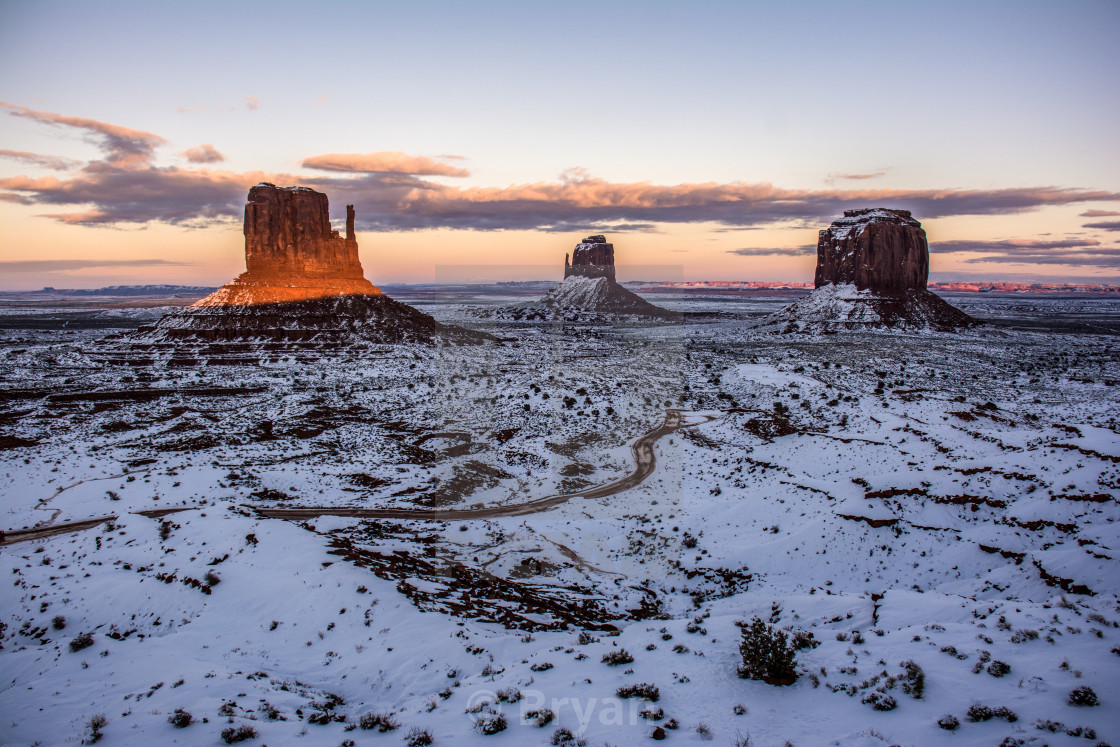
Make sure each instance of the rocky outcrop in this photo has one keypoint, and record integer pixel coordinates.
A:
(874, 249)
(600, 295)
(592, 258)
(302, 291)
(589, 284)
(291, 252)
(872, 268)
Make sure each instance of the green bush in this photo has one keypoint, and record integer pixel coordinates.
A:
(767, 654)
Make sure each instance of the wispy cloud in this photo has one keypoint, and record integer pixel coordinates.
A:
(1099, 213)
(205, 153)
(388, 190)
(69, 265)
(1072, 252)
(382, 162)
(1108, 225)
(788, 251)
(252, 103)
(57, 163)
(835, 176)
(1011, 246)
(124, 147)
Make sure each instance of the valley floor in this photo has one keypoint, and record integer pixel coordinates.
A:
(945, 500)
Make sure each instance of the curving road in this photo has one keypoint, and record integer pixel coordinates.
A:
(645, 461)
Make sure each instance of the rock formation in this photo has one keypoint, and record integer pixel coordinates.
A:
(874, 249)
(872, 268)
(302, 290)
(589, 284)
(593, 258)
(291, 253)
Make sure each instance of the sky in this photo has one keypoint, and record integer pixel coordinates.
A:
(708, 140)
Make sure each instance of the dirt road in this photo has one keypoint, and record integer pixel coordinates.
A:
(644, 463)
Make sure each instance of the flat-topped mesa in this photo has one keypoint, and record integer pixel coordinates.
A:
(291, 252)
(593, 258)
(876, 249)
(872, 267)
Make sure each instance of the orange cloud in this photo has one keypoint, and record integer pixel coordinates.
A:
(205, 153)
(386, 189)
(123, 146)
(57, 163)
(382, 162)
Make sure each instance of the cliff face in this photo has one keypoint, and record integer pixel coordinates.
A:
(875, 249)
(592, 258)
(302, 292)
(291, 253)
(872, 268)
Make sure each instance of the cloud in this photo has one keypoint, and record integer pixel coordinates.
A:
(382, 162)
(1099, 213)
(1010, 246)
(123, 147)
(252, 103)
(126, 187)
(205, 153)
(788, 251)
(68, 265)
(57, 163)
(1108, 225)
(1073, 252)
(872, 175)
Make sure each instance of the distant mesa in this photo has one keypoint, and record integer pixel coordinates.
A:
(291, 252)
(592, 258)
(589, 284)
(303, 289)
(872, 270)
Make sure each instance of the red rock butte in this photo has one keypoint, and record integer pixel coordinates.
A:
(291, 252)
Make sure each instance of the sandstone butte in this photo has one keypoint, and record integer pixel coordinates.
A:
(291, 252)
(876, 249)
(592, 258)
(872, 271)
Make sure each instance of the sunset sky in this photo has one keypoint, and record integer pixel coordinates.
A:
(715, 138)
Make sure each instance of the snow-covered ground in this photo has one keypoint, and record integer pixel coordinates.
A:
(946, 500)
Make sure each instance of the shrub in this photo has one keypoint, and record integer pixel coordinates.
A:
(880, 701)
(180, 719)
(81, 641)
(979, 712)
(95, 725)
(1083, 696)
(704, 730)
(1022, 636)
(949, 722)
(235, 734)
(490, 722)
(543, 717)
(544, 666)
(59, 622)
(617, 657)
(417, 737)
(998, 668)
(643, 690)
(767, 655)
(509, 695)
(914, 680)
(564, 737)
